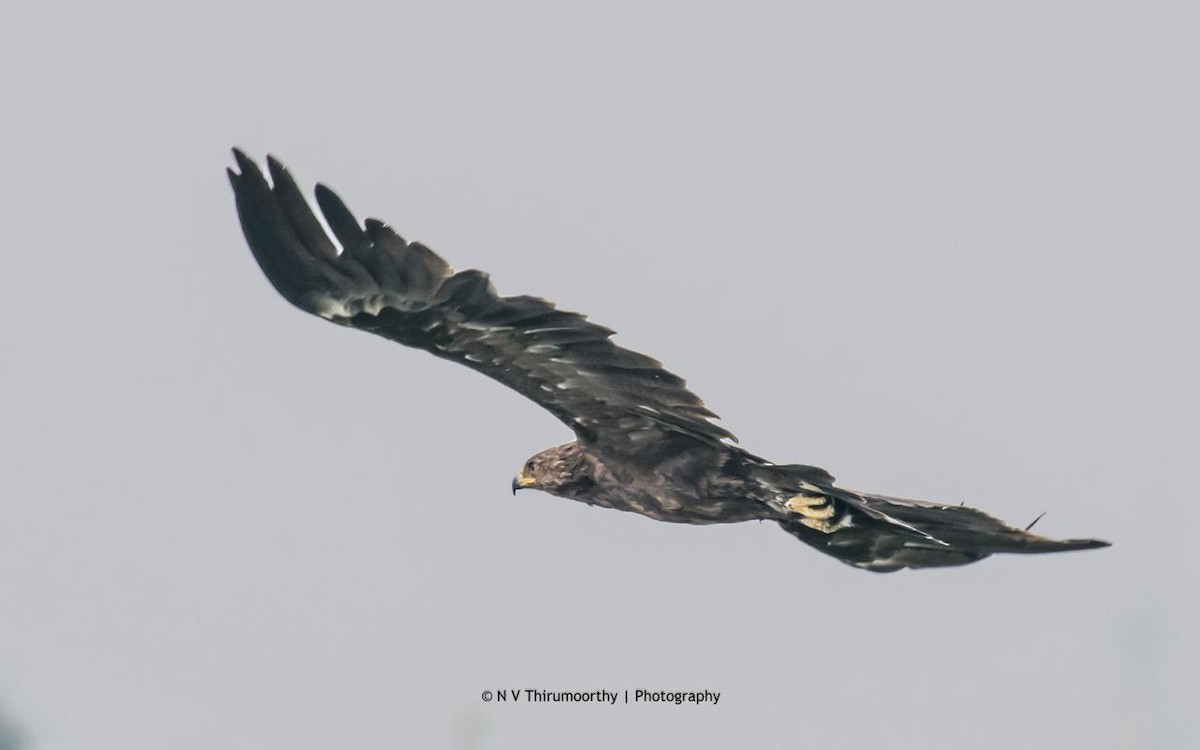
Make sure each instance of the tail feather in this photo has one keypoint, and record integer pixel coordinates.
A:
(884, 534)
(962, 525)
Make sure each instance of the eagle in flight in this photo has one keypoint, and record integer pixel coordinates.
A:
(643, 442)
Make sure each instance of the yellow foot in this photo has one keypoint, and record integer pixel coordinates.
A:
(814, 511)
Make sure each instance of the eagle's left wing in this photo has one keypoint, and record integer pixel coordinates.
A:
(403, 291)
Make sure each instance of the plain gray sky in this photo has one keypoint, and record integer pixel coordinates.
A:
(943, 251)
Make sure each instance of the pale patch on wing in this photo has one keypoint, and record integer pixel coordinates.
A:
(340, 310)
(546, 329)
(669, 502)
(330, 309)
(885, 564)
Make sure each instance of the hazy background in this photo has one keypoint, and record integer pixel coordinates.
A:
(944, 252)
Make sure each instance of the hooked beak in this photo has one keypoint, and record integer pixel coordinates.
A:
(520, 482)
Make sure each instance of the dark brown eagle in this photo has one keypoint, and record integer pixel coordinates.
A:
(644, 442)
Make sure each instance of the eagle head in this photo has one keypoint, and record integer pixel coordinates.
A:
(555, 470)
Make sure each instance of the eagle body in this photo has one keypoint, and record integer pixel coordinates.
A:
(644, 443)
(674, 482)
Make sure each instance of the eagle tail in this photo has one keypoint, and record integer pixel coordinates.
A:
(882, 533)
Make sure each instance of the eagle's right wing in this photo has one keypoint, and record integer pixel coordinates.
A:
(405, 292)
(884, 534)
